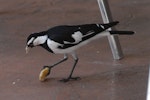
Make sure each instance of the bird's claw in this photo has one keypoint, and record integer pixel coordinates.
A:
(70, 78)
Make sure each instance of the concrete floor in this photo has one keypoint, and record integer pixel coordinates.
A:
(102, 78)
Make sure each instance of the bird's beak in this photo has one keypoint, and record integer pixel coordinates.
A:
(27, 49)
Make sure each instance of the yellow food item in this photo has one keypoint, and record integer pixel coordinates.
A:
(43, 74)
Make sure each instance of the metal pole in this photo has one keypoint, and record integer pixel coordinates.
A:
(148, 88)
(113, 40)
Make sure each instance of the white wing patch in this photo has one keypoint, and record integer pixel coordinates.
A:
(102, 27)
(77, 36)
(89, 33)
(97, 25)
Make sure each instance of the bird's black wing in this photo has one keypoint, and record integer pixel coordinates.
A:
(61, 33)
(70, 36)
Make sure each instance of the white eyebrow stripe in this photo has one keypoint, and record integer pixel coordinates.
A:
(30, 40)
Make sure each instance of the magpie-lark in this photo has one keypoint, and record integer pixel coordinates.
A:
(66, 39)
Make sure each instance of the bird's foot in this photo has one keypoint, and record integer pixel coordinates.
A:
(70, 78)
(44, 73)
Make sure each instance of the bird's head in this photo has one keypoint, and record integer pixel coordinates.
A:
(35, 39)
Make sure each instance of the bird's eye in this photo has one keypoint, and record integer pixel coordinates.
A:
(31, 45)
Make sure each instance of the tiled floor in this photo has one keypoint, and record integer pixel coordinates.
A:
(102, 78)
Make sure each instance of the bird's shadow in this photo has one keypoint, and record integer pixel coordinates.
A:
(84, 79)
(117, 74)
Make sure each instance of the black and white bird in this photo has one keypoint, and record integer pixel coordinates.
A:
(67, 39)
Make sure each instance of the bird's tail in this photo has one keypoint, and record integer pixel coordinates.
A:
(122, 32)
(108, 25)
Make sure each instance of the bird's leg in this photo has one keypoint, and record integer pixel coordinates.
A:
(64, 59)
(47, 69)
(74, 65)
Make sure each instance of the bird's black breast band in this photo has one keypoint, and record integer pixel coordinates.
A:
(46, 47)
